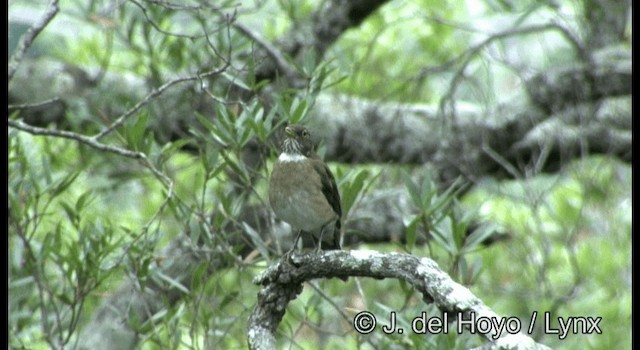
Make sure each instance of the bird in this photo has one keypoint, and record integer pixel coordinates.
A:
(303, 191)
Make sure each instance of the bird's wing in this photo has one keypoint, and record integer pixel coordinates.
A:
(329, 187)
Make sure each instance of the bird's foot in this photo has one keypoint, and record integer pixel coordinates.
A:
(287, 256)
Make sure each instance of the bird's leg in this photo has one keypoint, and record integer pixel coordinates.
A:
(319, 247)
(337, 238)
(295, 243)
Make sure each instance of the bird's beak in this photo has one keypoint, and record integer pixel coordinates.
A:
(289, 132)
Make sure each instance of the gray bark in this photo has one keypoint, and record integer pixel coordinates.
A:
(283, 281)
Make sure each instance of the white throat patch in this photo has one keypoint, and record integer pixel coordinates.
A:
(291, 157)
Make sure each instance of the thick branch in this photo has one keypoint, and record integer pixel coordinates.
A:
(608, 75)
(527, 139)
(579, 96)
(329, 22)
(605, 21)
(282, 282)
(335, 17)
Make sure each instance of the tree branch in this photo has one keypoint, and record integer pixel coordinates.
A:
(472, 52)
(335, 17)
(123, 117)
(89, 141)
(282, 282)
(330, 21)
(35, 104)
(27, 38)
(278, 58)
(93, 142)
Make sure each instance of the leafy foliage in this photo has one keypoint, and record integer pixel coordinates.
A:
(569, 252)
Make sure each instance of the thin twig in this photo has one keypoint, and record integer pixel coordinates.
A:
(121, 120)
(27, 38)
(274, 53)
(329, 300)
(157, 27)
(35, 104)
(466, 57)
(32, 257)
(228, 19)
(501, 160)
(92, 142)
(174, 6)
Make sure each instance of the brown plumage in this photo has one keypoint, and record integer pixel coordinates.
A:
(303, 191)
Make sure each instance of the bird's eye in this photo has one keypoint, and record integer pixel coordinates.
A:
(305, 133)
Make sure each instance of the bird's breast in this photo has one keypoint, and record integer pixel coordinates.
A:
(295, 195)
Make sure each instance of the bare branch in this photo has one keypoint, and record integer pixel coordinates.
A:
(123, 117)
(157, 27)
(36, 104)
(275, 54)
(330, 20)
(175, 6)
(496, 157)
(90, 141)
(27, 38)
(93, 142)
(468, 55)
(283, 281)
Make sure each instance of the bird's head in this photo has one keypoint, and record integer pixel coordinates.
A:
(297, 141)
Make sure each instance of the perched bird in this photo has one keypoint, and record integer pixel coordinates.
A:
(303, 191)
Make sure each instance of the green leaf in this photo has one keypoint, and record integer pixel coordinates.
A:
(205, 122)
(135, 134)
(352, 189)
(339, 80)
(234, 79)
(158, 316)
(230, 297)
(64, 298)
(427, 191)
(443, 235)
(236, 167)
(63, 184)
(72, 257)
(217, 169)
(173, 282)
(414, 192)
(199, 275)
(70, 211)
(217, 130)
(459, 233)
(309, 63)
(261, 128)
(300, 107)
(411, 232)
(170, 148)
(478, 236)
(244, 132)
(83, 199)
